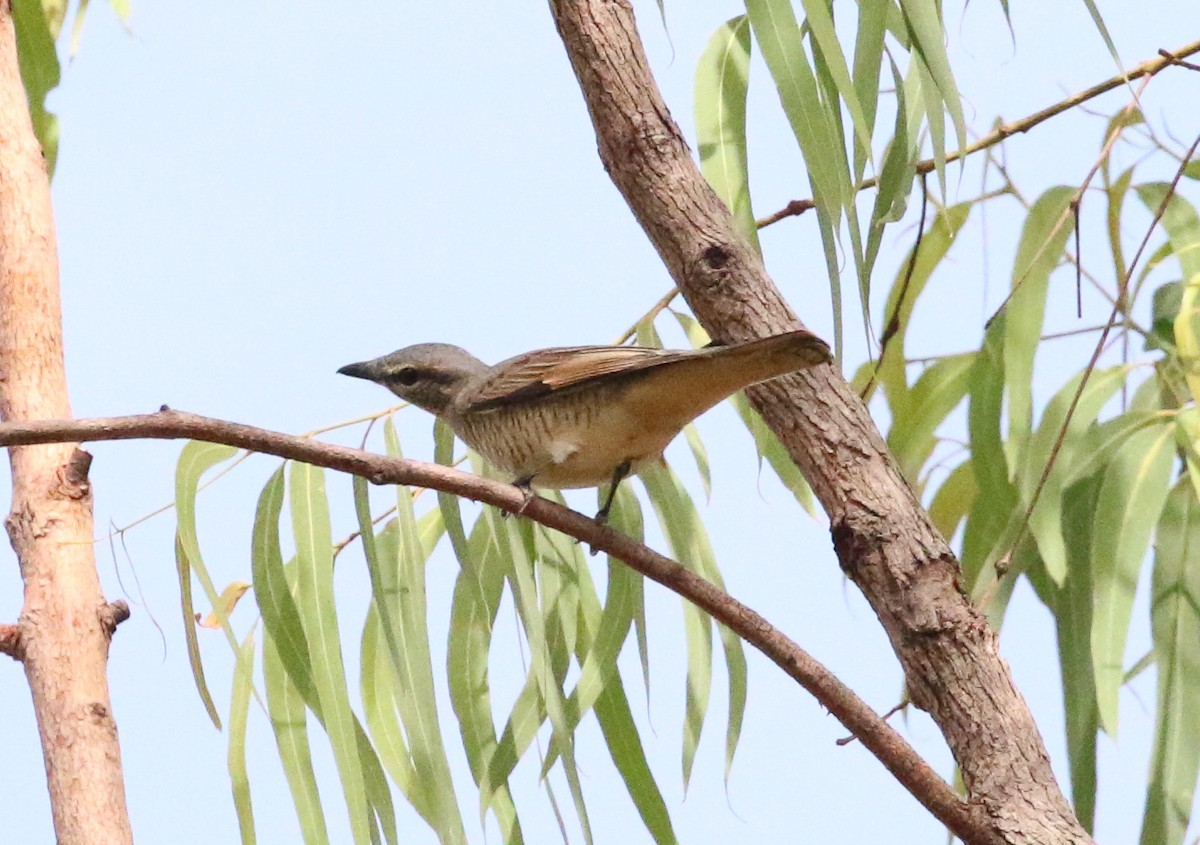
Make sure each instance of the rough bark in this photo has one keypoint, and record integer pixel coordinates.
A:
(883, 537)
(65, 624)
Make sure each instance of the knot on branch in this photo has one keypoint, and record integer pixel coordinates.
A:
(10, 642)
(716, 257)
(78, 466)
(112, 615)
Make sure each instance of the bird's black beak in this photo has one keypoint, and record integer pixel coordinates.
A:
(362, 369)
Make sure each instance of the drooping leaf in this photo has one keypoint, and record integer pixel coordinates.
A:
(954, 499)
(1175, 623)
(924, 21)
(398, 584)
(1131, 498)
(987, 527)
(530, 609)
(1071, 604)
(476, 600)
(907, 287)
(286, 708)
(195, 459)
(1045, 521)
(318, 614)
(722, 78)
(937, 392)
(815, 126)
(689, 543)
(1040, 250)
(239, 710)
(868, 62)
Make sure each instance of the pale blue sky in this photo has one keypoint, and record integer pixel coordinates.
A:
(248, 199)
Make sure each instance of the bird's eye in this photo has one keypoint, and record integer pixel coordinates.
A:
(407, 377)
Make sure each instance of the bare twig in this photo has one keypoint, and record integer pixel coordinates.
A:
(1006, 130)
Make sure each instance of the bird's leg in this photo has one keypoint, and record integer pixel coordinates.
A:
(525, 485)
(622, 470)
(619, 474)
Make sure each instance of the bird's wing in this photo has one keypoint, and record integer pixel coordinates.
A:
(535, 374)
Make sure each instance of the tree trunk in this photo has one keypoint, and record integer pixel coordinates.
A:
(883, 537)
(63, 634)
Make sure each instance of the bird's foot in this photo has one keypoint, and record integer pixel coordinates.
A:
(525, 485)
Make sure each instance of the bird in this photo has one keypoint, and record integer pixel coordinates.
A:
(581, 416)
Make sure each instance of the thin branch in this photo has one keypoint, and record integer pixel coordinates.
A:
(1100, 346)
(655, 309)
(1072, 209)
(1147, 68)
(893, 323)
(874, 733)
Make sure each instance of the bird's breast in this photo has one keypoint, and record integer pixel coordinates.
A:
(565, 442)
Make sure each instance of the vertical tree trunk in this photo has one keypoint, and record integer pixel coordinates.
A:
(883, 538)
(65, 625)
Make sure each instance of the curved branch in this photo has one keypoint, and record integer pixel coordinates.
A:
(875, 734)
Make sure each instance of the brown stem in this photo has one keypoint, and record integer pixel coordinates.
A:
(840, 700)
(884, 539)
(1147, 68)
(62, 634)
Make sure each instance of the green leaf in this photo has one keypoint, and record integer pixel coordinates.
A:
(1043, 238)
(620, 735)
(1135, 487)
(1094, 11)
(937, 392)
(819, 22)
(318, 613)
(194, 460)
(398, 585)
(924, 22)
(778, 35)
(476, 600)
(722, 77)
(1045, 523)
(1071, 604)
(1180, 221)
(1164, 310)
(1175, 624)
(1116, 193)
(273, 586)
(771, 449)
(868, 62)
(382, 693)
(954, 499)
(40, 72)
(902, 299)
(443, 453)
(899, 164)
(815, 126)
(541, 670)
(239, 709)
(602, 634)
(690, 545)
(987, 524)
(285, 706)
(281, 616)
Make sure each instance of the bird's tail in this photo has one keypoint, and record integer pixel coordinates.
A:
(680, 391)
(769, 357)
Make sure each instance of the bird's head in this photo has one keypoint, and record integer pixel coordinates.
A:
(429, 375)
